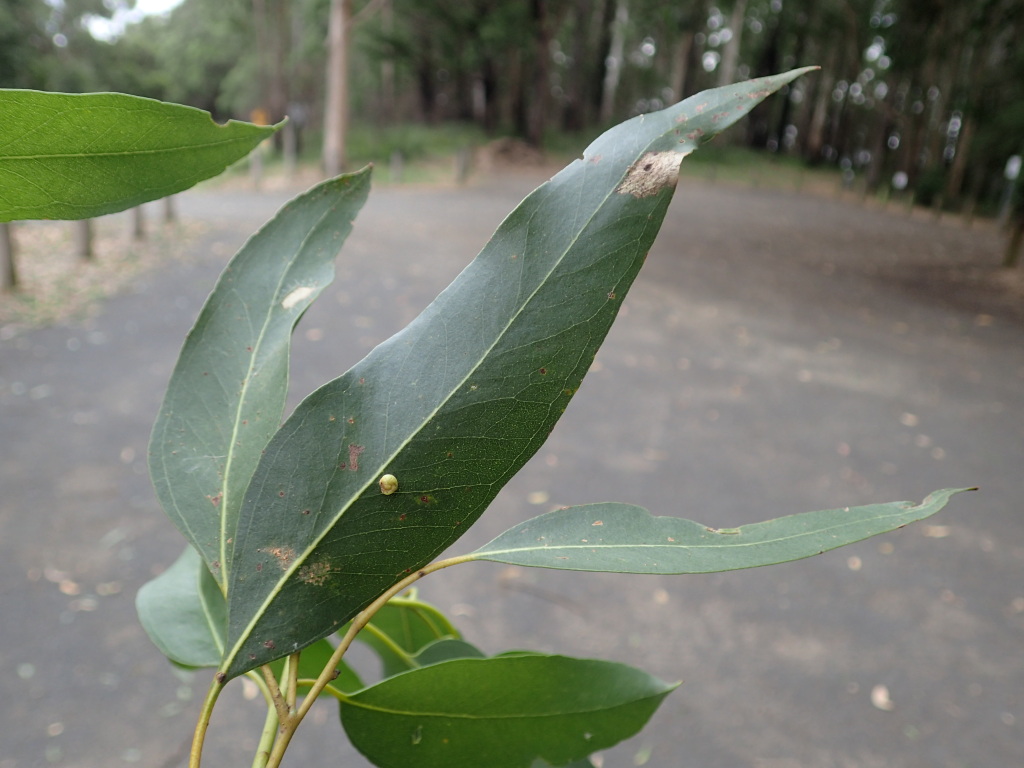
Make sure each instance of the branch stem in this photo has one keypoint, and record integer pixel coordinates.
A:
(199, 736)
(291, 722)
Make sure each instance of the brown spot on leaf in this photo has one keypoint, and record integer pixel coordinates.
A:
(354, 452)
(315, 574)
(283, 555)
(652, 173)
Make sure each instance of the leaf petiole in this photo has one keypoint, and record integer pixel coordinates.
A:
(291, 722)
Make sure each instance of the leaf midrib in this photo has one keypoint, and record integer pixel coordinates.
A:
(355, 702)
(122, 154)
(482, 554)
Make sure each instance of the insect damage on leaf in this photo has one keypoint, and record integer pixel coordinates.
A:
(294, 297)
(652, 173)
(388, 484)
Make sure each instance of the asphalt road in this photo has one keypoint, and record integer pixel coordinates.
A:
(779, 353)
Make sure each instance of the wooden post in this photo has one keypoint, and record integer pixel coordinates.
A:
(138, 225)
(83, 239)
(170, 214)
(8, 274)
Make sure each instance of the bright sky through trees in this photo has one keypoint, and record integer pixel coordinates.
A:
(109, 29)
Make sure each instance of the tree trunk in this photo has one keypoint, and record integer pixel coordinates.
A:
(815, 140)
(680, 72)
(614, 61)
(336, 105)
(958, 169)
(1012, 255)
(731, 51)
(8, 274)
(538, 106)
(387, 66)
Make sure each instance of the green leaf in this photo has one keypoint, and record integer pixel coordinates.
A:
(403, 628)
(501, 712)
(75, 156)
(446, 649)
(623, 538)
(584, 763)
(184, 613)
(227, 393)
(455, 404)
(313, 660)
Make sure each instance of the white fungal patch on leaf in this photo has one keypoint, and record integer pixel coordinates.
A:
(652, 173)
(293, 298)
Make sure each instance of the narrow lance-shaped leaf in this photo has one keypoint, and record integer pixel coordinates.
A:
(501, 712)
(75, 156)
(456, 403)
(227, 393)
(624, 538)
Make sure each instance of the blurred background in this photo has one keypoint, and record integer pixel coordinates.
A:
(826, 319)
(921, 98)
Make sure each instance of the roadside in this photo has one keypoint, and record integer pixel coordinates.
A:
(779, 353)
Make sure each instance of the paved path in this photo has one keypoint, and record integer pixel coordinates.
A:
(778, 354)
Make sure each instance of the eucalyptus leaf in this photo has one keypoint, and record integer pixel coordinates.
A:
(184, 613)
(401, 629)
(454, 405)
(227, 393)
(446, 649)
(75, 156)
(623, 538)
(500, 712)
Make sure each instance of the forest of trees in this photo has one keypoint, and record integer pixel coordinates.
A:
(927, 94)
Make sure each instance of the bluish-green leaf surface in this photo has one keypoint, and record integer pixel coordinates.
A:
(624, 538)
(501, 712)
(455, 403)
(184, 612)
(75, 156)
(227, 393)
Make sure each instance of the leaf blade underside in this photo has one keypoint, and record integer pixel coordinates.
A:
(455, 403)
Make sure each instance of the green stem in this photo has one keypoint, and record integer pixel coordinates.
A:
(289, 724)
(199, 736)
(269, 724)
(266, 744)
(386, 640)
(290, 680)
(275, 691)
